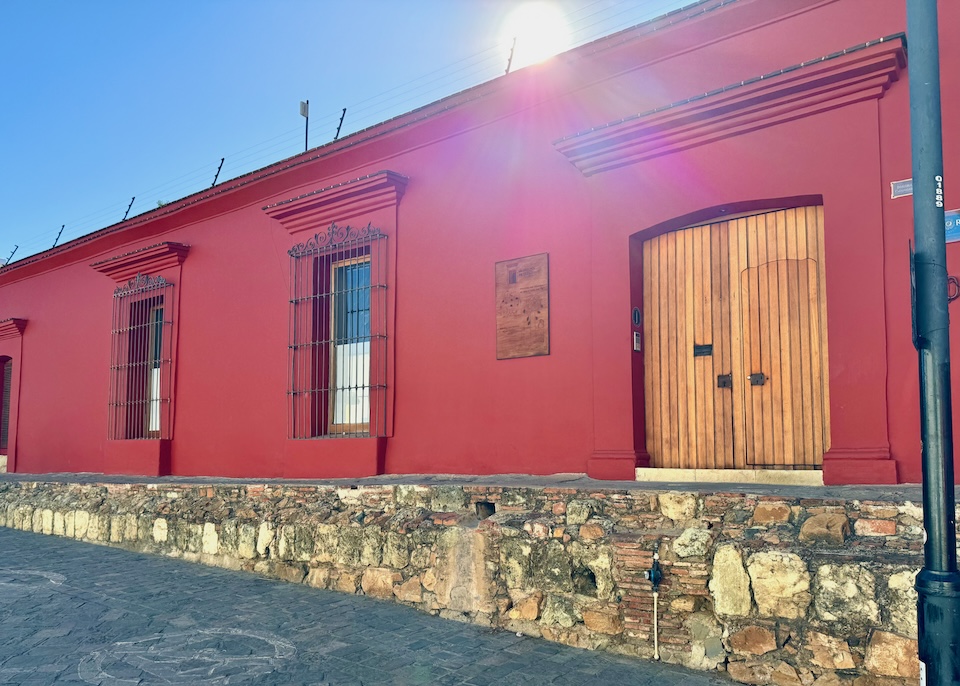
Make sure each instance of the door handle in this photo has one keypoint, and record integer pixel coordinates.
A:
(757, 379)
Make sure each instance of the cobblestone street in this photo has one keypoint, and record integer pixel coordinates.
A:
(85, 614)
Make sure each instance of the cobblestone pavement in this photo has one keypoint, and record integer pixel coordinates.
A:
(77, 613)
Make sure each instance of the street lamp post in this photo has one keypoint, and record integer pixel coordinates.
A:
(938, 583)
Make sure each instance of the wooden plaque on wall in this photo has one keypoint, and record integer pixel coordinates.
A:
(523, 307)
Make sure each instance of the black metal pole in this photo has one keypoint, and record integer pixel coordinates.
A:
(938, 583)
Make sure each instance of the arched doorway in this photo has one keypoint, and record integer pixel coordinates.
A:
(735, 343)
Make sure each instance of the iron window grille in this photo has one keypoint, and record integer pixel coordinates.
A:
(140, 359)
(338, 334)
(6, 383)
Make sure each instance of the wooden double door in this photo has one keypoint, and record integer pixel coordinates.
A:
(735, 343)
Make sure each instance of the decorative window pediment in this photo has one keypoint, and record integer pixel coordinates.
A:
(12, 328)
(860, 73)
(150, 259)
(340, 202)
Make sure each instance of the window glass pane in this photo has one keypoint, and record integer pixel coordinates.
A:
(6, 372)
(352, 302)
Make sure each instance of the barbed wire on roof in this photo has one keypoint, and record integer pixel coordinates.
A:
(467, 71)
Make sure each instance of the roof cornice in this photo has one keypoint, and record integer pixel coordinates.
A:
(861, 73)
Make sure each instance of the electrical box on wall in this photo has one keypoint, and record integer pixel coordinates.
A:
(637, 342)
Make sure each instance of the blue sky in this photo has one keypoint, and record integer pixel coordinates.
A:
(102, 101)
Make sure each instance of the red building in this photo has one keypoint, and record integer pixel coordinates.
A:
(676, 246)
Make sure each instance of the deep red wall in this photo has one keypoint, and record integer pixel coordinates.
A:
(486, 184)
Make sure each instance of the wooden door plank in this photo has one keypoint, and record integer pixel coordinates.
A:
(817, 212)
(685, 353)
(782, 390)
(755, 253)
(816, 352)
(739, 339)
(802, 363)
(650, 391)
(722, 333)
(705, 422)
(770, 348)
(670, 305)
(718, 458)
(806, 362)
(663, 363)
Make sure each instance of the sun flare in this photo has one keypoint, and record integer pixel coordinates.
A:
(541, 31)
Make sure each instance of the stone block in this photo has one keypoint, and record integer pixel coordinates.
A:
(396, 550)
(265, 535)
(831, 528)
(371, 547)
(447, 498)
(413, 496)
(130, 527)
(692, 543)
(292, 572)
(753, 640)
(160, 530)
(706, 643)
(892, 655)
(378, 582)
(69, 524)
(901, 607)
(847, 593)
(591, 531)
(210, 540)
(781, 584)
(117, 525)
(347, 582)
(552, 568)
(81, 521)
(46, 522)
(515, 562)
(59, 527)
(527, 608)
(94, 527)
(409, 591)
(579, 511)
(784, 674)
(350, 546)
(603, 619)
(729, 583)
(771, 513)
(464, 580)
(319, 577)
(560, 611)
(679, 507)
(326, 541)
(829, 652)
(750, 672)
(246, 541)
(429, 579)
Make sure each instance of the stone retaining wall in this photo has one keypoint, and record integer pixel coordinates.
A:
(771, 589)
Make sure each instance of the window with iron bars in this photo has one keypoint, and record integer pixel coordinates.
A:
(6, 383)
(140, 359)
(338, 334)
